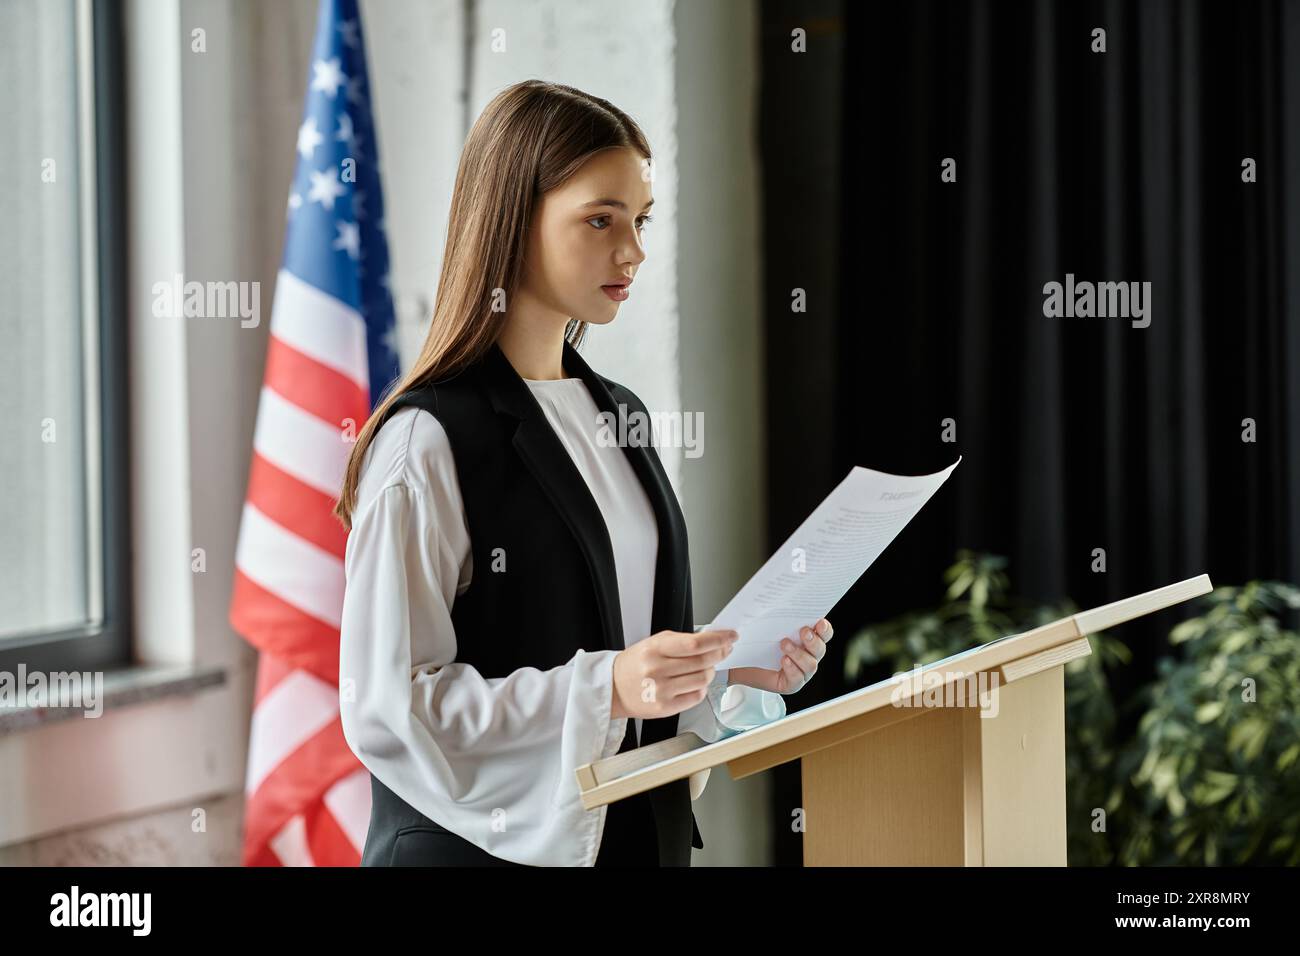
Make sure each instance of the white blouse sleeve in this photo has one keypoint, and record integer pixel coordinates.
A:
(492, 759)
(725, 712)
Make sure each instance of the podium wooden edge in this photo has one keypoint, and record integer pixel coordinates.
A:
(864, 710)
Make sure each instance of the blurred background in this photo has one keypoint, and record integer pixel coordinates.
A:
(857, 210)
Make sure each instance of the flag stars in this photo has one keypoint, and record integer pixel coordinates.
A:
(309, 138)
(348, 31)
(325, 188)
(346, 133)
(349, 239)
(295, 200)
(389, 339)
(356, 91)
(329, 77)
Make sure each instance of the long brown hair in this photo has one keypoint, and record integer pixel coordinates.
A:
(530, 139)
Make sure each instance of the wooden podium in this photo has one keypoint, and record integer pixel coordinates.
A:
(958, 763)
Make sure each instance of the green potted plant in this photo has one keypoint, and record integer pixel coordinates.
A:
(1215, 763)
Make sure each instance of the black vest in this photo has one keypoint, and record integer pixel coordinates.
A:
(526, 503)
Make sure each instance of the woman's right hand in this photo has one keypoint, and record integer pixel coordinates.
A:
(668, 672)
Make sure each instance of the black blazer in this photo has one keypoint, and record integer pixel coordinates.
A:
(524, 497)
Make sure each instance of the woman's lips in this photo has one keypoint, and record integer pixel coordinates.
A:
(618, 293)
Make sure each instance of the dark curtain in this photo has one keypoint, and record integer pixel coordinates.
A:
(926, 297)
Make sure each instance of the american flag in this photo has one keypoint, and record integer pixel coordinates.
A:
(332, 353)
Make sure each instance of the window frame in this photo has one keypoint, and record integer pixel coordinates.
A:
(105, 644)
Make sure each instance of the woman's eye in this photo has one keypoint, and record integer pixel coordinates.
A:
(641, 221)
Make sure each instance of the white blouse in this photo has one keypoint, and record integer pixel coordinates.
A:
(493, 759)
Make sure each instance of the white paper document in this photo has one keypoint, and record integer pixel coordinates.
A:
(816, 566)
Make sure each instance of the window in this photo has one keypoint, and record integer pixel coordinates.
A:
(64, 575)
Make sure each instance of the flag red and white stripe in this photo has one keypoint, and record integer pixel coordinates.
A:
(331, 353)
(308, 797)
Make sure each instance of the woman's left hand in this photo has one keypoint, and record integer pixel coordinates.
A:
(797, 666)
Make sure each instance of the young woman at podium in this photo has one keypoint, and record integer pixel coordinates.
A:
(518, 596)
